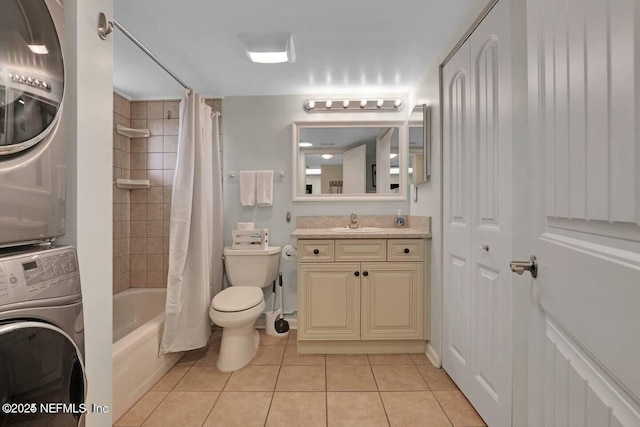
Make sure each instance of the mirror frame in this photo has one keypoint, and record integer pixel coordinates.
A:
(403, 128)
(426, 141)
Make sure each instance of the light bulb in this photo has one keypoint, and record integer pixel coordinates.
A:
(345, 103)
(397, 103)
(311, 105)
(363, 103)
(329, 103)
(379, 103)
(327, 156)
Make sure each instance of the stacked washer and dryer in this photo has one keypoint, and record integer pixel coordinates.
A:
(42, 375)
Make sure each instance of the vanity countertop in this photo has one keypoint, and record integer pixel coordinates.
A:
(386, 233)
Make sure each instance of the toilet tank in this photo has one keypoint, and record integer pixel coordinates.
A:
(251, 267)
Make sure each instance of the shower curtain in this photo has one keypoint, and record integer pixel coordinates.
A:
(195, 235)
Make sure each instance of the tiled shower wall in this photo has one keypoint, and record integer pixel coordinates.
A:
(121, 197)
(152, 158)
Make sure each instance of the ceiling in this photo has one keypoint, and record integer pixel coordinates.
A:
(341, 47)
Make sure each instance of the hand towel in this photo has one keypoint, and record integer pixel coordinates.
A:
(264, 188)
(248, 188)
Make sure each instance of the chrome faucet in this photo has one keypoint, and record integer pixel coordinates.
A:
(354, 221)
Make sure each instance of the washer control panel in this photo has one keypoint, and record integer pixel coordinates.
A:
(46, 273)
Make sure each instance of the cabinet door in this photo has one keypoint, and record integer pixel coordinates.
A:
(392, 300)
(329, 301)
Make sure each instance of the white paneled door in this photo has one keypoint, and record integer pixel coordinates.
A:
(477, 217)
(584, 83)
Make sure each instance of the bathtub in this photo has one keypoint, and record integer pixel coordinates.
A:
(138, 320)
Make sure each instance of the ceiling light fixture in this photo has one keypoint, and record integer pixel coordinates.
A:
(38, 49)
(269, 48)
(393, 155)
(327, 156)
(325, 105)
(305, 144)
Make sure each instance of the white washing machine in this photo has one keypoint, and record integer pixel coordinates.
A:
(33, 159)
(41, 339)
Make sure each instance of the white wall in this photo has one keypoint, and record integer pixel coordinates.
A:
(257, 135)
(89, 99)
(427, 91)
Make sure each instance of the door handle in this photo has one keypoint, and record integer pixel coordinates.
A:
(522, 266)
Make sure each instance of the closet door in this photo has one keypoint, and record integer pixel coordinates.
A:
(456, 216)
(477, 211)
(490, 339)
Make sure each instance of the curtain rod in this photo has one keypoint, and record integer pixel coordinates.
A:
(149, 53)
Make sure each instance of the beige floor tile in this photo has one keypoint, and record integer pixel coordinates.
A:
(301, 378)
(390, 359)
(291, 357)
(209, 355)
(268, 355)
(458, 409)
(419, 359)
(307, 409)
(272, 340)
(293, 337)
(253, 378)
(184, 409)
(347, 359)
(240, 409)
(190, 357)
(203, 378)
(420, 408)
(355, 409)
(350, 378)
(437, 379)
(171, 378)
(398, 378)
(139, 412)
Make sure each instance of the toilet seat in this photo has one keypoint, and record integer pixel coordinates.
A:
(237, 298)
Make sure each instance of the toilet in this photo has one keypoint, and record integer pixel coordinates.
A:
(236, 308)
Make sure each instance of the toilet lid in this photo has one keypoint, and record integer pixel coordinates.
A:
(237, 298)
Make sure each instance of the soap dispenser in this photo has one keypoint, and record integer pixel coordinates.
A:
(399, 219)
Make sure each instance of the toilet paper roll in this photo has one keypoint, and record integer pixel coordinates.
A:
(245, 226)
(289, 252)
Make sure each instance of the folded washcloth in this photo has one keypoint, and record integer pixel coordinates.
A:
(248, 188)
(264, 188)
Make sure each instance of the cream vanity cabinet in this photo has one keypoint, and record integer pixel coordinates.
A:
(369, 292)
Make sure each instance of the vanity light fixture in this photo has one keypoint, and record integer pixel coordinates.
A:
(327, 156)
(325, 105)
(31, 81)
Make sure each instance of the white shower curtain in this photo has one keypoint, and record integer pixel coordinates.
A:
(195, 236)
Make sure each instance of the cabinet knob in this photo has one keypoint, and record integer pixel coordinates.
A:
(365, 273)
(316, 251)
(357, 273)
(406, 250)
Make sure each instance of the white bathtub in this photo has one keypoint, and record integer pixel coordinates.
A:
(138, 321)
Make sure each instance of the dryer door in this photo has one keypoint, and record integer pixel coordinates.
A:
(33, 163)
(40, 365)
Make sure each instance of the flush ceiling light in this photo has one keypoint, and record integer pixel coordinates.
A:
(393, 155)
(324, 105)
(269, 48)
(327, 156)
(305, 144)
(38, 49)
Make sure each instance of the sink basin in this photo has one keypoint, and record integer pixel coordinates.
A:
(355, 230)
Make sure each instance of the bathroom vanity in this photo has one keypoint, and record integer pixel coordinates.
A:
(363, 291)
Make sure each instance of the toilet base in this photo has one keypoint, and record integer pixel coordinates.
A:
(238, 347)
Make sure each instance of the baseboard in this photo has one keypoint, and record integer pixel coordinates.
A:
(433, 357)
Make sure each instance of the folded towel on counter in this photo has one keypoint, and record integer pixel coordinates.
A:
(248, 188)
(264, 188)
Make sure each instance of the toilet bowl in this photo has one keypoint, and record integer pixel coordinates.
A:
(236, 308)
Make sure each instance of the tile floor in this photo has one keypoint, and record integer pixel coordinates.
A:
(282, 388)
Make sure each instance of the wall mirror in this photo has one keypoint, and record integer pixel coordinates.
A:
(419, 169)
(349, 160)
